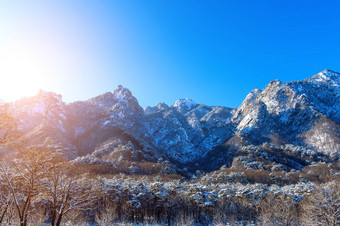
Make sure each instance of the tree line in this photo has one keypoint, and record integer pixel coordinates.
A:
(37, 187)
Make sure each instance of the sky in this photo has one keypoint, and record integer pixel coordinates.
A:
(214, 52)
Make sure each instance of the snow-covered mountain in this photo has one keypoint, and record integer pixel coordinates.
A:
(298, 118)
(291, 110)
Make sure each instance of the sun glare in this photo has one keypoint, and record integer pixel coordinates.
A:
(22, 73)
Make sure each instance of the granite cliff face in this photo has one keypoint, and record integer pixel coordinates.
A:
(300, 119)
(290, 110)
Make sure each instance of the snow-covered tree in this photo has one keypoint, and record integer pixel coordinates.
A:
(66, 192)
(22, 180)
(322, 207)
(6, 199)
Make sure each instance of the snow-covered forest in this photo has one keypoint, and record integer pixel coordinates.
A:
(41, 187)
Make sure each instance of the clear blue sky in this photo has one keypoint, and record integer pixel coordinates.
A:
(214, 52)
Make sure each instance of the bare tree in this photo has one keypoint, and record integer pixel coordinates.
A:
(22, 180)
(67, 192)
(5, 197)
(323, 206)
(106, 216)
(278, 210)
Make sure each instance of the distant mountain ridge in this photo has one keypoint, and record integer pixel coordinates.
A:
(286, 117)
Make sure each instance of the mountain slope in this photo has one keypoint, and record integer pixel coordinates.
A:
(284, 120)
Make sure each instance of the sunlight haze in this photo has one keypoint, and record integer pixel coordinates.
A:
(212, 52)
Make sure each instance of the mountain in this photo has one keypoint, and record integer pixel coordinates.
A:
(285, 125)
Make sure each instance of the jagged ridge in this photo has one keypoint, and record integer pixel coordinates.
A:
(298, 113)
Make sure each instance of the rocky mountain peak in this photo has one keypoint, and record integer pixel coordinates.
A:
(40, 103)
(184, 105)
(121, 98)
(326, 76)
(160, 107)
(48, 96)
(44, 110)
(124, 97)
(331, 74)
(122, 93)
(252, 95)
